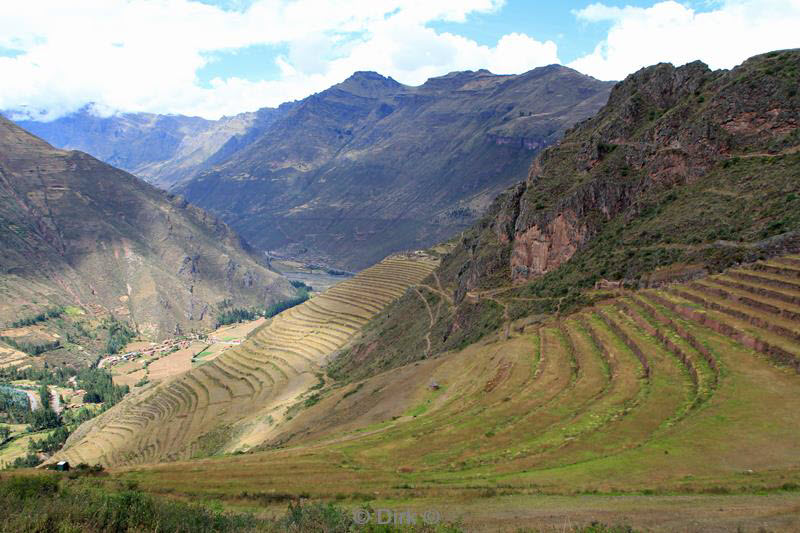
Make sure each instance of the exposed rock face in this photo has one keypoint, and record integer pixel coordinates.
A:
(77, 231)
(539, 250)
(663, 128)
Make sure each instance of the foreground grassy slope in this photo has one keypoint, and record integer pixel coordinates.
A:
(687, 389)
(237, 399)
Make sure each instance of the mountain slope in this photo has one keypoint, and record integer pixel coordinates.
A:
(235, 401)
(371, 166)
(685, 171)
(162, 149)
(76, 231)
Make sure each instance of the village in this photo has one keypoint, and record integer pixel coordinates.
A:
(147, 362)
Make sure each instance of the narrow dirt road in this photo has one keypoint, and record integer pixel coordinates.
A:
(55, 401)
(34, 400)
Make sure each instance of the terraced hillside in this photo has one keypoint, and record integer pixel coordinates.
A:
(236, 399)
(689, 388)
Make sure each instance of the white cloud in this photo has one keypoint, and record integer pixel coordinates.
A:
(143, 55)
(672, 32)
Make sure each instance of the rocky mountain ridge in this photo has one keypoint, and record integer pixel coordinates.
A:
(356, 172)
(684, 172)
(371, 166)
(161, 149)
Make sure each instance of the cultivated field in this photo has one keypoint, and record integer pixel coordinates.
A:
(11, 357)
(671, 409)
(237, 399)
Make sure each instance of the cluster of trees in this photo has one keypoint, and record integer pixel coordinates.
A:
(119, 335)
(41, 317)
(13, 406)
(45, 418)
(51, 443)
(31, 348)
(230, 316)
(297, 284)
(43, 376)
(14, 409)
(99, 387)
(279, 307)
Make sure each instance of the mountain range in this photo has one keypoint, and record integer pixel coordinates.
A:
(358, 171)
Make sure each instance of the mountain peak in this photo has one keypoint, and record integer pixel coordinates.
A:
(368, 83)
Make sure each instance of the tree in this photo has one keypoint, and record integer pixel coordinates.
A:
(44, 395)
(4, 433)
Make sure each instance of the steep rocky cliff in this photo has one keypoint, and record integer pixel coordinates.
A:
(371, 166)
(664, 130)
(75, 231)
(683, 172)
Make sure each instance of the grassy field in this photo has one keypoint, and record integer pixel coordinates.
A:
(672, 409)
(19, 446)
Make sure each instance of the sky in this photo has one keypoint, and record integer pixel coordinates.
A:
(212, 58)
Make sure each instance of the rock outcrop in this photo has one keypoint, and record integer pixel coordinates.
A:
(663, 128)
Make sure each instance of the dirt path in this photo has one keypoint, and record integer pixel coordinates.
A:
(55, 401)
(34, 400)
(441, 289)
(432, 321)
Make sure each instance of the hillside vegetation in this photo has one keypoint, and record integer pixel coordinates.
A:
(687, 390)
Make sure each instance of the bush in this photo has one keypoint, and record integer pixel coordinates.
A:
(29, 461)
(23, 488)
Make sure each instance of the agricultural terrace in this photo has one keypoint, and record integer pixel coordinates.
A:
(237, 399)
(683, 392)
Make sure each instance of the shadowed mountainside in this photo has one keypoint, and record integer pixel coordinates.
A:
(76, 231)
(371, 166)
(356, 172)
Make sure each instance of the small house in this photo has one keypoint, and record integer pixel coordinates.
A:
(62, 466)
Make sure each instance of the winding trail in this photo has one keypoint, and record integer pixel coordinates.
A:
(432, 322)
